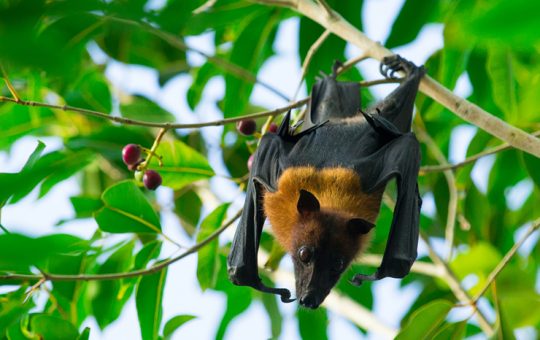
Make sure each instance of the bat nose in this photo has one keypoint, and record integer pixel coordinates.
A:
(310, 300)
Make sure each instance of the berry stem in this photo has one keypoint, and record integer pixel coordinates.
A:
(152, 151)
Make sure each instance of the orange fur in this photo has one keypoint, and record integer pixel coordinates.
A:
(338, 191)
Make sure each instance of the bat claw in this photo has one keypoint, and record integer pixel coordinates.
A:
(395, 63)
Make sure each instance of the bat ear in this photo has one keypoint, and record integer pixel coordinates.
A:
(307, 202)
(359, 226)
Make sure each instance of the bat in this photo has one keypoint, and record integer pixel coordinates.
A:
(321, 188)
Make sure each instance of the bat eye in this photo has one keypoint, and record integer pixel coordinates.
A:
(339, 265)
(305, 254)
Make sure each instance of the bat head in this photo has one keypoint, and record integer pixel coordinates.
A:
(325, 243)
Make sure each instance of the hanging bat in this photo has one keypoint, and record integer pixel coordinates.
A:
(321, 188)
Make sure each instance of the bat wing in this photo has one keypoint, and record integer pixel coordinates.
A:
(267, 167)
(399, 158)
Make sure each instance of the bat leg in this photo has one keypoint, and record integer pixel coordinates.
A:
(398, 106)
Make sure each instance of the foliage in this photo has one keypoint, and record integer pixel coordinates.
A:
(58, 52)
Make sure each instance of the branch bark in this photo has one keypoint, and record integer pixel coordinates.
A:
(461, 107)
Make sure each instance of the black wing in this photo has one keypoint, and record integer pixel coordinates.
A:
(399, 158)
(266, 169)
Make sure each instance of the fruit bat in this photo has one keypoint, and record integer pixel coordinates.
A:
(321, 188)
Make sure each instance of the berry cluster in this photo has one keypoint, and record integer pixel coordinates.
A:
(131, 155)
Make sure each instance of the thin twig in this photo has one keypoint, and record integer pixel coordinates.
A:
(506, 259)
(452, 190)
(9, 85)
(351, 62)
(309, 55)
(366, 83)
(114, 276)
(128, 121)
(437, 168)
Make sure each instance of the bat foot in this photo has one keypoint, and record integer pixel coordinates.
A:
(395, 63)
(358, 279)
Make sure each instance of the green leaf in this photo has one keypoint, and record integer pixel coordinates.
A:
(85, 206)
(174, 323)
(414, 15)
(187, 206)
(18, 252)
(50, 169)
(110, 296)
(149, 252)
(50, 327)
(451, 331)
(313, 324)
(132, 45)
(425, 321)
(181, 164)
(7, 178)
(139, 107)
(520, 20)
(532, 164)
(481, 258)
(251, 48)
(208, 261)
(220, 17)
(85, 335)
(149, 299)
(201, 76)
(276, 254)
(126, 210)
(109, 141)
(90, 91)
(13, 306)
(501, 73)
(272, 309)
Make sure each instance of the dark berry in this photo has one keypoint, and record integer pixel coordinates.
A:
(250, 162)
(151, 179)
(273, 128)
(246, 127)
(131, 154)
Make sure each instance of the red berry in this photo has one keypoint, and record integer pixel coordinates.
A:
(151, 179)
(246, 127)
(131, 154)
(250, 162)
(273, 128)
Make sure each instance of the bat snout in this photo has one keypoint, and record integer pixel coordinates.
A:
(310, 300)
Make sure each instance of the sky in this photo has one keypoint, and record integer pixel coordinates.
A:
(182, 294)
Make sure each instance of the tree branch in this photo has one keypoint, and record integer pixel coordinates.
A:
(461, 107)
(114, 276)
(128, 121)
